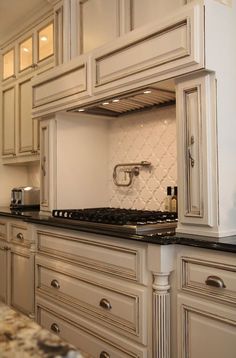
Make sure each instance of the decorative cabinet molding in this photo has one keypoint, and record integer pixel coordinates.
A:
(197, 151)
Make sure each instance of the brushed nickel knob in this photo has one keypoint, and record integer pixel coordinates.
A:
(104, 303)
(55, 328)
(55, 284)
(20, 236)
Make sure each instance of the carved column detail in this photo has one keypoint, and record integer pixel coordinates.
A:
(161, 315)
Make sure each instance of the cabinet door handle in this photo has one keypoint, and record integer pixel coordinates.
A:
(55, 284)
(104, 354)
(20, 236)
(55, 328)
(104, 303)
(215, 281)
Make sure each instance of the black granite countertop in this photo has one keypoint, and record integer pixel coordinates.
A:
(22, 337)
(227, 244)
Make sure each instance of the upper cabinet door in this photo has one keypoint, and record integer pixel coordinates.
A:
(26, 54)
(99, 23)
(9, 64)
(45, 40)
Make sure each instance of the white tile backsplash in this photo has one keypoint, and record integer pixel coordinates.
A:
(150, 136)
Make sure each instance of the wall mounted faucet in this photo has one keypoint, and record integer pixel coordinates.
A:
(132, 171)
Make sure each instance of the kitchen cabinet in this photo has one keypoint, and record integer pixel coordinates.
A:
(17, 267)
(197, 153)
(84, 287)
(29, 55)
(20, 135)
(206, 304)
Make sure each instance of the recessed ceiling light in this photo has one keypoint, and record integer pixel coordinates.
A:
(147, 91)
(105, 103)
(115, 100)
(43, 38)
(25, 49)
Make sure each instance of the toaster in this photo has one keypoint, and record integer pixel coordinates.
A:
(25, 197)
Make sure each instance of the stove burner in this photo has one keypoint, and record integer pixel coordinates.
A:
(115, 219)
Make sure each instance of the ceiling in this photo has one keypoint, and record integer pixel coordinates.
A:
(15, 12)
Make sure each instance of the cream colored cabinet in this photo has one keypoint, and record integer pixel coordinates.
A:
(20, 135)
(206, 304)
(17, 267)
(84, 288)
(197, 154)
(8, 64)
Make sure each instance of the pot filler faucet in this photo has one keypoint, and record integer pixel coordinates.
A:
(132, 170)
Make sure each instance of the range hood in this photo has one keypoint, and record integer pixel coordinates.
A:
(129, 102)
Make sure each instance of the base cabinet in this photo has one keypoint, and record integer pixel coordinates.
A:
(206, 302)
(17, 267)
(90, 296)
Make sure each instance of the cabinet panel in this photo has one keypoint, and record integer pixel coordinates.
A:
(22, 282)
(9, 64)
(3, 272)
(85, 339)
(45, 42)
(143, 12)
(152, 52)
(115, 307)
(26, 127)
(205, 330)
(99, 23)
(3, 230)
(8, 121)
(26, 53)
(114, 260)
(18, 234)
(197, 151)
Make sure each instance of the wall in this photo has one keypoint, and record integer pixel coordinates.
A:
(148, 135)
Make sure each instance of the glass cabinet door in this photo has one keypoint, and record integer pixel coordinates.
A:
(8, 64)
(45, 42)
(26, 53)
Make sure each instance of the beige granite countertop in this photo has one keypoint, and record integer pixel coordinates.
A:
(20, 337)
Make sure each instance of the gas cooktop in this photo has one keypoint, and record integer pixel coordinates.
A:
(120, 220)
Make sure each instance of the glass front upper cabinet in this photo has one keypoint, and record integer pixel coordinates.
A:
(8, 64)
(26, 54)
(45, 42)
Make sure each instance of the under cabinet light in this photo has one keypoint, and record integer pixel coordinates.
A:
(105, 103)
(147, 91)
(81, 110)
(115, 100)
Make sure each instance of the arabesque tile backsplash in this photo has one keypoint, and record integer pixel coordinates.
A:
(150, 136)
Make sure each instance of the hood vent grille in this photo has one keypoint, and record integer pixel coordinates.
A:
(124, 104)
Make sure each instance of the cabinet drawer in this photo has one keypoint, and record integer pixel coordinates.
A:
(85, 339)
(3, 230)
(95, 252)
(213, 279)
(19, 235)
(105, 302)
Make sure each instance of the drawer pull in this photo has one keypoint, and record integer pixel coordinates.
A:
(104, 354)
(215, 281)
(104, 303)
(55, 284)
(55, 328)
(20, 236)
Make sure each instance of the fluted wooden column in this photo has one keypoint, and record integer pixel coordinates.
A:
(161, 315)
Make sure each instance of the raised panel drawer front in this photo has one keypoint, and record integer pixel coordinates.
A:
(206, 277)
(155, 51)
(83, 338)
(3, 230)
(19, 235)
(60, 86)
(127, 261)
(113, 305)
(205, 330)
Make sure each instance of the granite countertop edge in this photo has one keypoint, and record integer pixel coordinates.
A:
(227, 244)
